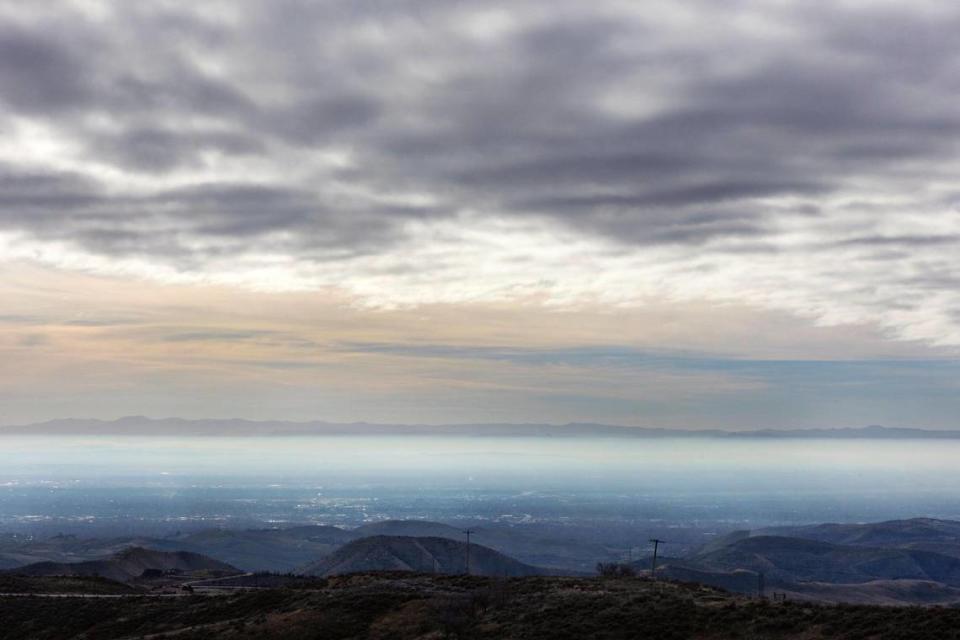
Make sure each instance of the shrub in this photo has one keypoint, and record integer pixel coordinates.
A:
(615, 570)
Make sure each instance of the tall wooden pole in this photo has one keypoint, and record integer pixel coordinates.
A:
(468, 532)
(653, 565)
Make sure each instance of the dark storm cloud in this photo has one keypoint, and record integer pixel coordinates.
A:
(544, 118)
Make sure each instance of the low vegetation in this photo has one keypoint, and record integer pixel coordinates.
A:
(402, 606)
(63, 584)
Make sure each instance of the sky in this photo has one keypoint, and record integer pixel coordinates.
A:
(685, 215)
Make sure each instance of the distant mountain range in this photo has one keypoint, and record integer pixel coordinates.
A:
(420, 554)
(143, 426)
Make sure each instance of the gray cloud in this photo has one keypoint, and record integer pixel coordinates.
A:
(64, 206)
(157, 149)
(39, 75)
(322, 131)
(904, 241)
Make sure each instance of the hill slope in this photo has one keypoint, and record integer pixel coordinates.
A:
(563, 554)
(277, 550)
(423, 554)
(801, 560)
(127, 565)
(928, 534)
(287, 549)
(16, 552)
(415, 528)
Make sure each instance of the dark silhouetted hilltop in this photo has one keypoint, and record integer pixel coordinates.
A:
(419, 554)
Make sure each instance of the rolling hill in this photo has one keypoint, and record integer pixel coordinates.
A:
(928, 534)
(818, 570)
(286, 549)
(127, 565)
(419, 554)
(16, 552)
(277, 550)
(801, 560)
(564, 554)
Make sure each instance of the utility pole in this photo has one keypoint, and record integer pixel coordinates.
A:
(468, 532)
(761, 585)
(653, 565)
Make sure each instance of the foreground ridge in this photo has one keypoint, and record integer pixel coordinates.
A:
(407, 606)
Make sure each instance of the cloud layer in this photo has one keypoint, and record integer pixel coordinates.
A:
(792, 156)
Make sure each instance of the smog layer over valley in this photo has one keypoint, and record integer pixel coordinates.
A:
(696, 487)
(523, 319)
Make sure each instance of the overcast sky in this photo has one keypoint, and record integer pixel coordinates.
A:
(734, 214)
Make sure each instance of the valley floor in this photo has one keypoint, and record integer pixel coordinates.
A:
(406, 607)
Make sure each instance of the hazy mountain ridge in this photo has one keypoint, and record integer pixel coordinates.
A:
(144, 426)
